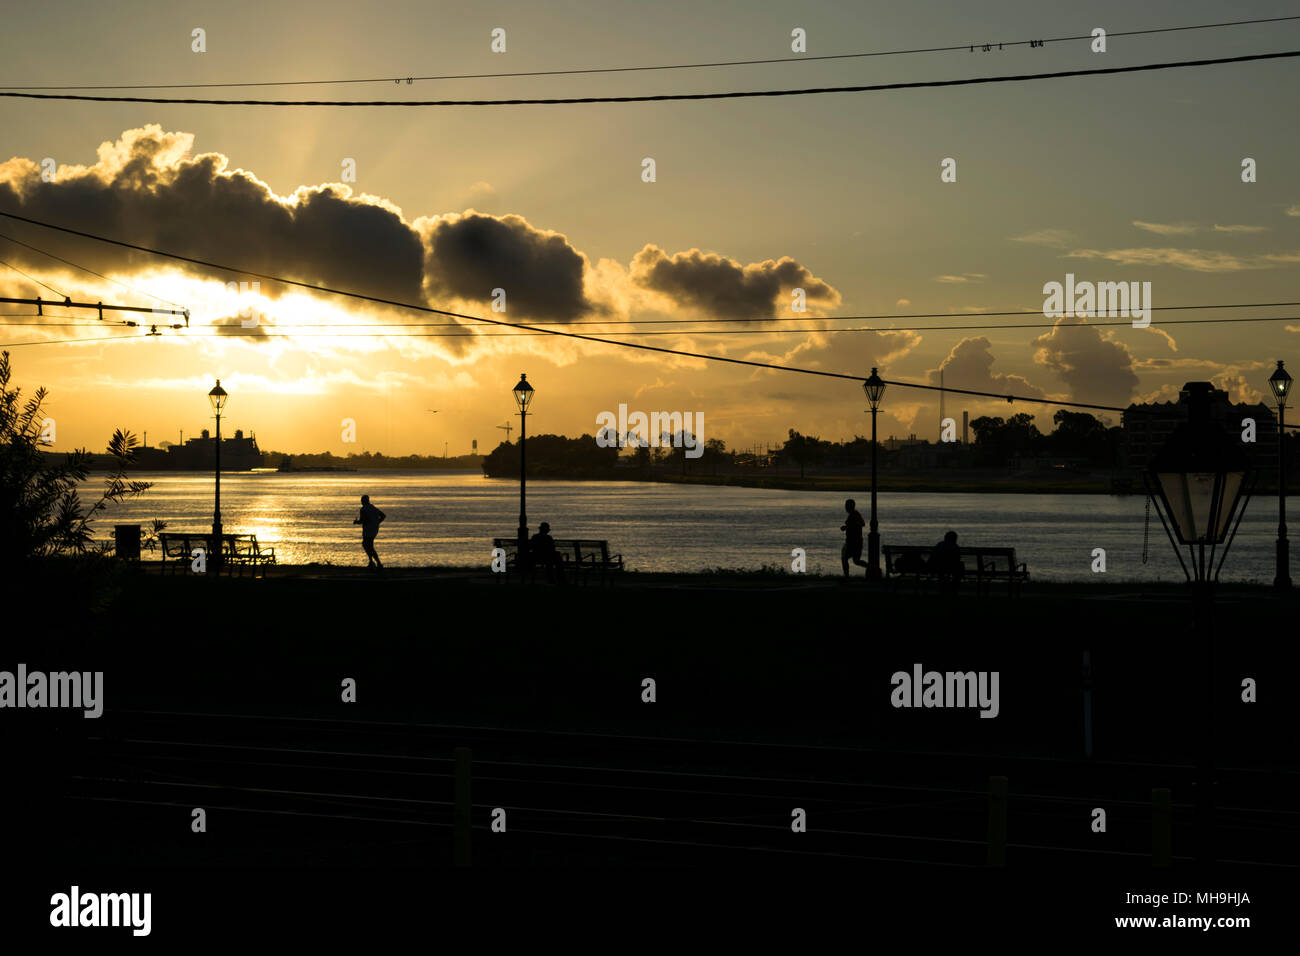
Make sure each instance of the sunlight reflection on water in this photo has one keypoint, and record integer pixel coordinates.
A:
(451, 519)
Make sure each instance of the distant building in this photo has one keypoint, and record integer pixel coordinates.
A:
(911, 453)
(894, 444)
(1148, 426)
(199, 454)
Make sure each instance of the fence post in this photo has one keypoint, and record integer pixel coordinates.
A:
(464, 808)
(1162, 826)
(997, 821)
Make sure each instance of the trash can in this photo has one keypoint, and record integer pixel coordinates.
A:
(126, 541)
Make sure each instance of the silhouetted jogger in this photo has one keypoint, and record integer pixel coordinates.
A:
(369, 520)
(852, 529)
(945, 562)
(541, 551)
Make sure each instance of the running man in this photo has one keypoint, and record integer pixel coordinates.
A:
(369, 520)
(852, 529)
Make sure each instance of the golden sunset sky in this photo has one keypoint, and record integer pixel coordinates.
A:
(1133, 178)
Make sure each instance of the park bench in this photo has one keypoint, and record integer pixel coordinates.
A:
(593, 557)
(176, 550)
(984, 565)
(581, 557)
(238, 551)
(242, 551)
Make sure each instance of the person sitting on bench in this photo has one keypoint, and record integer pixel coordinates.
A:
(945, 561)
(541, 552)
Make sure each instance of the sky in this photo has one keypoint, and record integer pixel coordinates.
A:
(1128, 178)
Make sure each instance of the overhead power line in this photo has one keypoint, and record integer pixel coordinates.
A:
(640, 346)
(277, 330)
(98, 275)
(42, 304)
(100, 338)
(667, 97)
(896, 315)
(31, 278)
(642, 69)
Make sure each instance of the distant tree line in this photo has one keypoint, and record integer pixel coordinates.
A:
(1078, 436)
(553, 456)
(366, 461)
(998, 443)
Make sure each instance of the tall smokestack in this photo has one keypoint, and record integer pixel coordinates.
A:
(941, 410)
(965, 424)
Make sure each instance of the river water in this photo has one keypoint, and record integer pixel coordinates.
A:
(451, 519)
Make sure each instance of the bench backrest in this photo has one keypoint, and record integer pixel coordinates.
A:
(579, 550)
(178, 544)
(245, 545)
(592, 549)
(173, 546)
(181, 544)
(980, 554)
(509, 545)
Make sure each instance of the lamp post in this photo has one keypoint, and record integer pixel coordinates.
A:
(874, 387)
(523, 397)
(1200, 475)
(218, 399)
(1280, 383)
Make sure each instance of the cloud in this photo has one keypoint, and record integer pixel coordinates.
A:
(1239, 388)
(1165, 393)
(1169, 229)
(1046, 237)
(472, 254)
(234, 325)
(1188, 228)
(724, 288)
(903, 302)
(1194, 260)
(1293, 209)
(970, 365)
(1094, 367)
(483, 193)
(1166, 363)
(961, 279)
(1169, 339)
(150, 188)
(146, 188)
(1233, 380)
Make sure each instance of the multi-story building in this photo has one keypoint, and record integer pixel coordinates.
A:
(1149, 425)
(199, 454)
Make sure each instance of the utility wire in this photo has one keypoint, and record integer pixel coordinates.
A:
(638, 69)
(268, 329)
(724, 320)
(32, 278)
(749, 363)
(667, 97)
(91, 271)
(104, 338)
(894, 315)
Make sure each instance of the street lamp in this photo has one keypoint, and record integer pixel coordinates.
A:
(1280, 383)
(523, 398)
(874, 387)
(1199, 476)
(218, 399)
